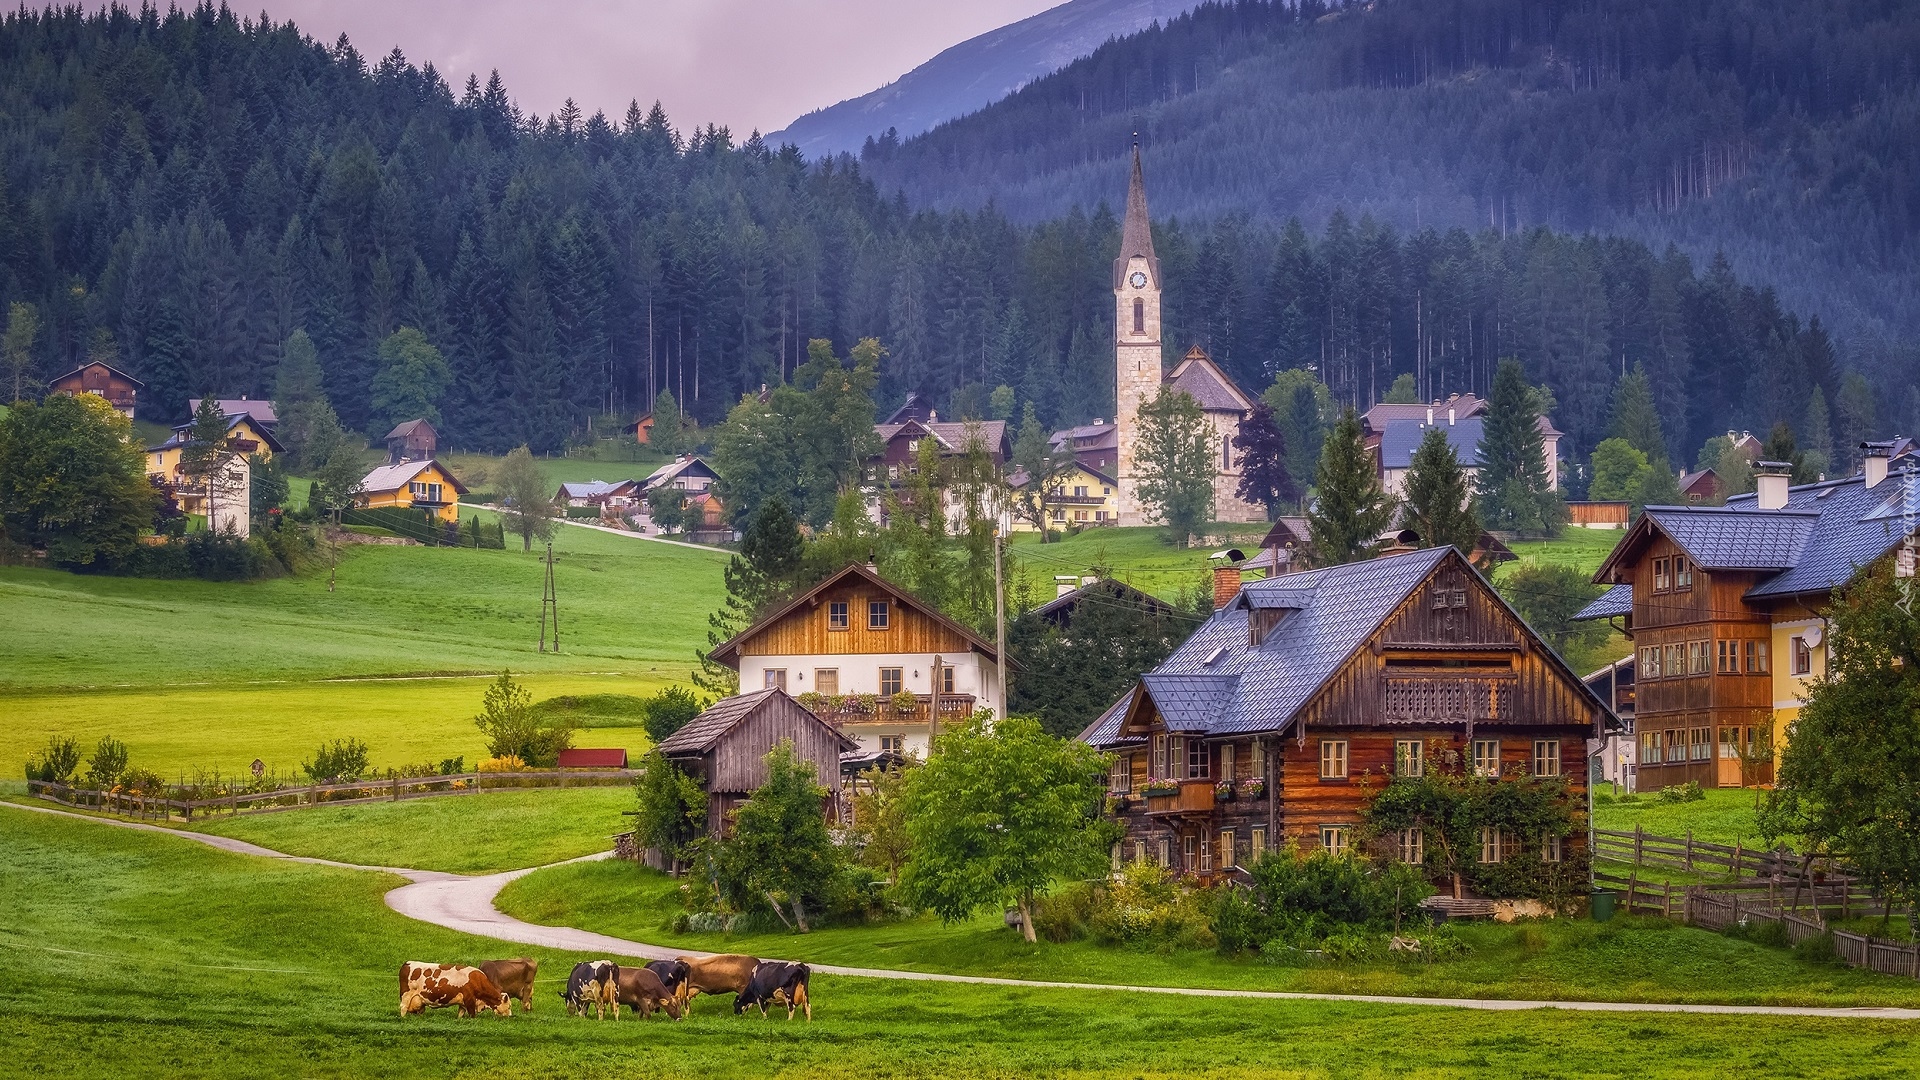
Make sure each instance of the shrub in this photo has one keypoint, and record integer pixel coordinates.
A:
(138, 781)
(338, 761)
(508, 763)
(670, 710)
(1817, 949)
(1350, 943)
(57, 762)
(453, 766)
(1147, 904)
(515, 729)
(108, 765)
(1306, 897)
(1682, 793)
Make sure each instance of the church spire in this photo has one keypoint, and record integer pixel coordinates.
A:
(1136, 233)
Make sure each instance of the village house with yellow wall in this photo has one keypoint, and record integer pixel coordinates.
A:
(1081, 498)
(417, 485)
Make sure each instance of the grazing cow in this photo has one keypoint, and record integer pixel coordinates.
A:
(778, 982)
(592, 986)
(642, 991)
(672, 973)
(514, 978)
(727, 973)
(424, 986)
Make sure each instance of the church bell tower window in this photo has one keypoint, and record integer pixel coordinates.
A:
(1139, 316)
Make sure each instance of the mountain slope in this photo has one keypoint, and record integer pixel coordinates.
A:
(974, 73)
(1785, 133)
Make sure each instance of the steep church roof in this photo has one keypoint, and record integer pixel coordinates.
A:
(1199, 376)
(1136, 233)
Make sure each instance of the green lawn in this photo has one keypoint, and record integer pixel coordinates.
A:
(1725, 816)
(475, 470)
(1627, 959)
(1141, 557)
(132, 955)
(1582, 549)
(481, 834)
(175, 730)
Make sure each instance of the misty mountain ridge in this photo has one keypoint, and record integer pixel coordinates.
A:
(974, 74)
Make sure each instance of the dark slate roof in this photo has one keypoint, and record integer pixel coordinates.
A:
(1402, 437)
(1384, 413)
(1211, 387)
(703, 731)
(1617, 600)
(1105, 590)
(1267, 684)
(1105, 729)
(1856, 525)
(402, 430)
(1728, 538)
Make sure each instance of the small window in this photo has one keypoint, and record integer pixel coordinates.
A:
(1196, 759)
(1333, 759)
(1491, 842)
(1756, 658)
(837, 618)
(1408, 758)
(1189, 852)
(1729, 657)
(1413, 846)
(1080, 491)
(1256, 844)
(1696, 657)
(1673, 659)
(879, 614)
(1159, 757)
(913, 446)
(1486, 758)
(777, 678)
(1546, 757)
(1226, 848)
(1699, 744)
(893, 744)
(1160, 852)
(1080, 515)
(1651, 747)
(1550, 848)
(1802, 656)
(1334, 838)
(946, 679)
(826, 681)
(890, 681)
(1116, 857)
(1257, 763)
(1120, 777)
(1226, 761)
(1662, 580)
(1650, 662)
(1139, 315)
(1682, 580)
(1139, 851)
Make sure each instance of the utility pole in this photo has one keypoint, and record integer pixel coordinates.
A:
(549, 601)
(1000, 623)
(933, 706)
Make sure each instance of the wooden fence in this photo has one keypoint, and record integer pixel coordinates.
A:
(393, 789)
(1718, 912)
(1643, 848)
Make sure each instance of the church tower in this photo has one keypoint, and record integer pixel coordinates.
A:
(1136, 339)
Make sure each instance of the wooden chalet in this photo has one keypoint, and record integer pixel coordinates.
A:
(899, 454)
(102, 380)
(725, 748)
(415, 440)
(1280, 716)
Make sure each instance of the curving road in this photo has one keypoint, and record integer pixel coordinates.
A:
(464, 903)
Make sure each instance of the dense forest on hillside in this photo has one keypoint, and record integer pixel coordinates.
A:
(180, 192)
(1785, 133)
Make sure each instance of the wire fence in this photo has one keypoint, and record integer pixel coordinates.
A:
(141, 807)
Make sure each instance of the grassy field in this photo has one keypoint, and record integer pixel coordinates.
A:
(1627, 959)
(1141, 557)
(1725, 816)
(503, 830)
(186, 961)
(403, 721)
(1582, 549)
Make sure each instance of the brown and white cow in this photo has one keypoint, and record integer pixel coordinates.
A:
(641, 990)
(514, 978)
(727, 973)
(436, 986)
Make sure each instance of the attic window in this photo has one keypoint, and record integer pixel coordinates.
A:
(1214, 655)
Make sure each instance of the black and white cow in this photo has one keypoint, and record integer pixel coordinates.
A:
(777, 982)
(594, 984)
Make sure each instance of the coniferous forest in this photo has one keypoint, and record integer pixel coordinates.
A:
(180, 192)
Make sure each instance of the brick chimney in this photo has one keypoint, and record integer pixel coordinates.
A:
(1226, 585)
(1770, 480)
(1874, 460)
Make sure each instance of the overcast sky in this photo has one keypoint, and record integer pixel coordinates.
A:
(743, 63)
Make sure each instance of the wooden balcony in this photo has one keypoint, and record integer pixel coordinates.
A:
(856, 709)
(1194, 797)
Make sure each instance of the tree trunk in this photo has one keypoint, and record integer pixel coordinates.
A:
(1456, 884)
(1026, 917)
(800, 915)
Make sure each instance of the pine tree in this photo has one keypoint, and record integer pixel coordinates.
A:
(1349, 511)
(1780, 446)
(1264, 478)
(1512, 484)
(667, 435)
(1403, 391)
(768, 568)
(1819, 430)
(1438, 504)
(23, 331)
(1634, 417)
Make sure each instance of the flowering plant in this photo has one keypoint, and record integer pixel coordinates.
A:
(1253, 788)
(1160, 786)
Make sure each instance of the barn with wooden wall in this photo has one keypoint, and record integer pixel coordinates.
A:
(725, 748)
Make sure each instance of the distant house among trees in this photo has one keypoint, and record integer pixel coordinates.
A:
(415, 440)
(1095, 445)
(686, 473)
(1700, 485)
(421, 485)
(260, 412)
(615, 493)
(1394, 432)
(900, 443)
(102, 380)
(641, 429)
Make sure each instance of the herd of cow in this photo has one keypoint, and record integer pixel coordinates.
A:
(601, 986)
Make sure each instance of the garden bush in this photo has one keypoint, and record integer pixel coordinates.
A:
(337, 761)
(1682, 793)
(1144, 905)
(56, 762)
(1305, 898)
(514, 728)
(108, 764)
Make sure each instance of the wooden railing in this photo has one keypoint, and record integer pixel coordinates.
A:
(883, 711)
(391, 789)
(1642, 848)
(1719, 911)
(1194, 797)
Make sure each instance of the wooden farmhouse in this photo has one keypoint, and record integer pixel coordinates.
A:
(102, 380)
(415, 440)
(726, 748)
(1277, 720)
(872, 659)
(1726, 607)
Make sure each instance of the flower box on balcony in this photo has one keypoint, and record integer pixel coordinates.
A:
(1252, 789)
(1160, 789)
(1223, 791)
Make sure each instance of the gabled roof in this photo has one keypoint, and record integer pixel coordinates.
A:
(406, 429)
(398, 475)
(914, 408)
(1616, 601)
(1105, 729)
(952, 436)
(1219, 683)
(234, 420)
(1100, 436)
(1107, 591)
(685, 464)
(261, 411)
(1286, 530)
(1019, 478)
(1689, 479)
(592, 489)
(705, 731)
(1716, 537)
(1200, 377)
(137, 384)
(728, 653)
(1401, 438)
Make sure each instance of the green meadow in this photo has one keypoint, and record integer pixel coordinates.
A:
(138, 955)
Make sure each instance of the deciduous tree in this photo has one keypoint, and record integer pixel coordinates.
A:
(779, 849)
(1264, 478)
(72, 481)
(412, 377)
(526, 500)
(1176, 464)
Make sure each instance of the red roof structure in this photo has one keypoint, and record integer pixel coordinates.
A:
(585, 758)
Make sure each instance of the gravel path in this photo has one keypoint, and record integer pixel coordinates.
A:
(465, 904)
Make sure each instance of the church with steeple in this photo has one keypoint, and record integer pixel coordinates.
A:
(1140, 371)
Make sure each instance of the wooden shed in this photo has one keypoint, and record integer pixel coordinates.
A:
(1599, 514)
(725, 748)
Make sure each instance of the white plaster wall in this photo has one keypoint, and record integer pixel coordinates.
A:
(860, 673)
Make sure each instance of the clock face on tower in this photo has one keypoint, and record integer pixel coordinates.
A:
(1138, 280)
